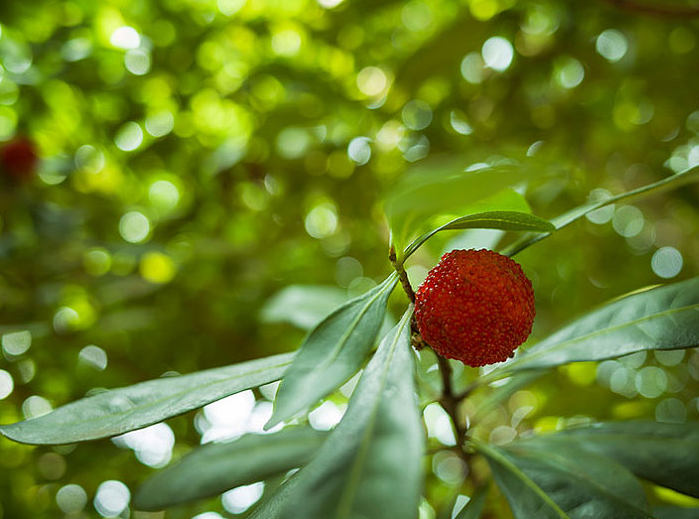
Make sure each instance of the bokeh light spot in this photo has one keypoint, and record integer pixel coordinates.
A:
(325, 416)
(497, 53)
(137, 62)
(35, 406)
(112, 498)
(417, 115)
(97, 262)
(7, 384)
(612, 45)
(157, 267)
(125, 37)
(628, 221)
(321, 221)
(164, 195)
(129, 137)
(473, 68)
(603, 214)
(93, 356)
(160, 124)
(230, 7)
(651, 381)
(134, 227)
(239, 499)
(71, 499)
(667, 262)
(16, 343)
(569, 73)
(372, 81)
(359, 150)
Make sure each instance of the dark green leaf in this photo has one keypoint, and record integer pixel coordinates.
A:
(441, 186)
(667, 454)
(302, 305)
(333, 352)
(474, 508)
(663, 318)
(561, 482)
(216, 467)
(675, 512)
(272, 508)
(567, 218)
(504, 220)
(133, 407)
(370, 466)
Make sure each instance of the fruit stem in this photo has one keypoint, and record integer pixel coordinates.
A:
(402, 274)
(450, 403)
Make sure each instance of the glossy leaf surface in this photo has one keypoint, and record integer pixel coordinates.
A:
(216, 467)
(332, 352)
(125, 409)
(370, 466)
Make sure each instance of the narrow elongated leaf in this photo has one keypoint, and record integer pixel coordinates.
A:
(504, 220)
(216, 467)
(133, 407)
(565, 483)
(474, 508)
(667, 454)
(567, 218)
(369, 467)
(333, 352)
(675, 512)
(663, 318)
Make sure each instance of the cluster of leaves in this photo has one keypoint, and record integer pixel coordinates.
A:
(370, 464)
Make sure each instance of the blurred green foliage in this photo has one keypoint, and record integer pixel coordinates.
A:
(197, 157)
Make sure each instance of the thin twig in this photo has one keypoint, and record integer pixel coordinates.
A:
(402, 274)
(449, 402)
(654, 9)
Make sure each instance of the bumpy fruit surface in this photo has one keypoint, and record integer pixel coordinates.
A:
(476, 306)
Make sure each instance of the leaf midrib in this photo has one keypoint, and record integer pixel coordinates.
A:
(344, 507)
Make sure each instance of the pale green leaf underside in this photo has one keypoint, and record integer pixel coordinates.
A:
(661, 318)
(504, 220)
(125, 409)
(213, 468)
(332, 352)
(370, 466)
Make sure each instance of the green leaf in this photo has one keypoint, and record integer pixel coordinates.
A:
(133, 407)
(441, 186)
(663, 318)
(303, 306)
(474, 508)
(370, 466)
(667, 454)
(332, 352)
(675, 512)
(504, 220)
(567, 218)
(216, 467)
(564, 483)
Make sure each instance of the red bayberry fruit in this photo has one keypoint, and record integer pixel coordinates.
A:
(18, 158)
(476, 306)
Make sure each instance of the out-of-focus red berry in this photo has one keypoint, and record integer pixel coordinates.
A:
(476, 306)
(18, 158)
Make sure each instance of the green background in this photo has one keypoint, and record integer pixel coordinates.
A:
(197, 157)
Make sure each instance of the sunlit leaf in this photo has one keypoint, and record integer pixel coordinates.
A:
(665, 453)
(332, 352)
(441, 186)
(303, 306)
(504, 220)
(564, 483)
(663, 318)
(370, 466)
(567, 218)
(125, 409)
(216, 467)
